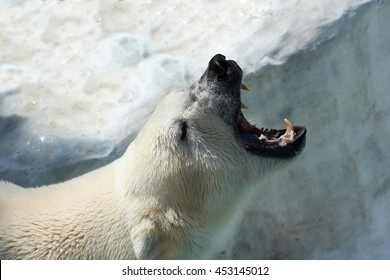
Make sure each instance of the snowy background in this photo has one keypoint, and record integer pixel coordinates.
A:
(78, 79)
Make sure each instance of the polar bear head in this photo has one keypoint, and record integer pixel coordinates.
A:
(198, 149)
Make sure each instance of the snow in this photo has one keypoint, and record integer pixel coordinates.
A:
(78, 79)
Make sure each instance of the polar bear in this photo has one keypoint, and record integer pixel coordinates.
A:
(176, 186)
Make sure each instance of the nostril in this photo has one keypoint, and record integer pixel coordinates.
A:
(223, 71)
(217, 58)
(223, 65)
(219, 66)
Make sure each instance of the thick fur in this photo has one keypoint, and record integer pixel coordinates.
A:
(176, 186)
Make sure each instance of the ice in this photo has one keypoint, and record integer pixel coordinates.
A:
(79, 79)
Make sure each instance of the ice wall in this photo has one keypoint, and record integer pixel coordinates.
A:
(334, 202)
(78, 80)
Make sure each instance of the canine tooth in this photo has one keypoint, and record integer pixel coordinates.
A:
(289, 126)
(245, 87)
(243, 106)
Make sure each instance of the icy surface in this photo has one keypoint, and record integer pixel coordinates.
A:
(78, 79)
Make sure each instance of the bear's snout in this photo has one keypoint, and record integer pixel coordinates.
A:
(221, 68)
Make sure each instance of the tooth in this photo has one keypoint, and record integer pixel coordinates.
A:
(243, 106)
(263, 137)
(245, 87)
(289, 126)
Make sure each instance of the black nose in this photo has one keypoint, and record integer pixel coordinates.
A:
(219, 66)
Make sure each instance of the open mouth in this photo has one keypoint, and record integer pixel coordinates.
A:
(271, 142)
(282, 143)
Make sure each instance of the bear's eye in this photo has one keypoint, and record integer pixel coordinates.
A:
(183, 130)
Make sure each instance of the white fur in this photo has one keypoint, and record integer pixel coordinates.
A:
(164, 198)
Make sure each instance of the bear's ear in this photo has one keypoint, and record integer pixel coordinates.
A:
(148, 247)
